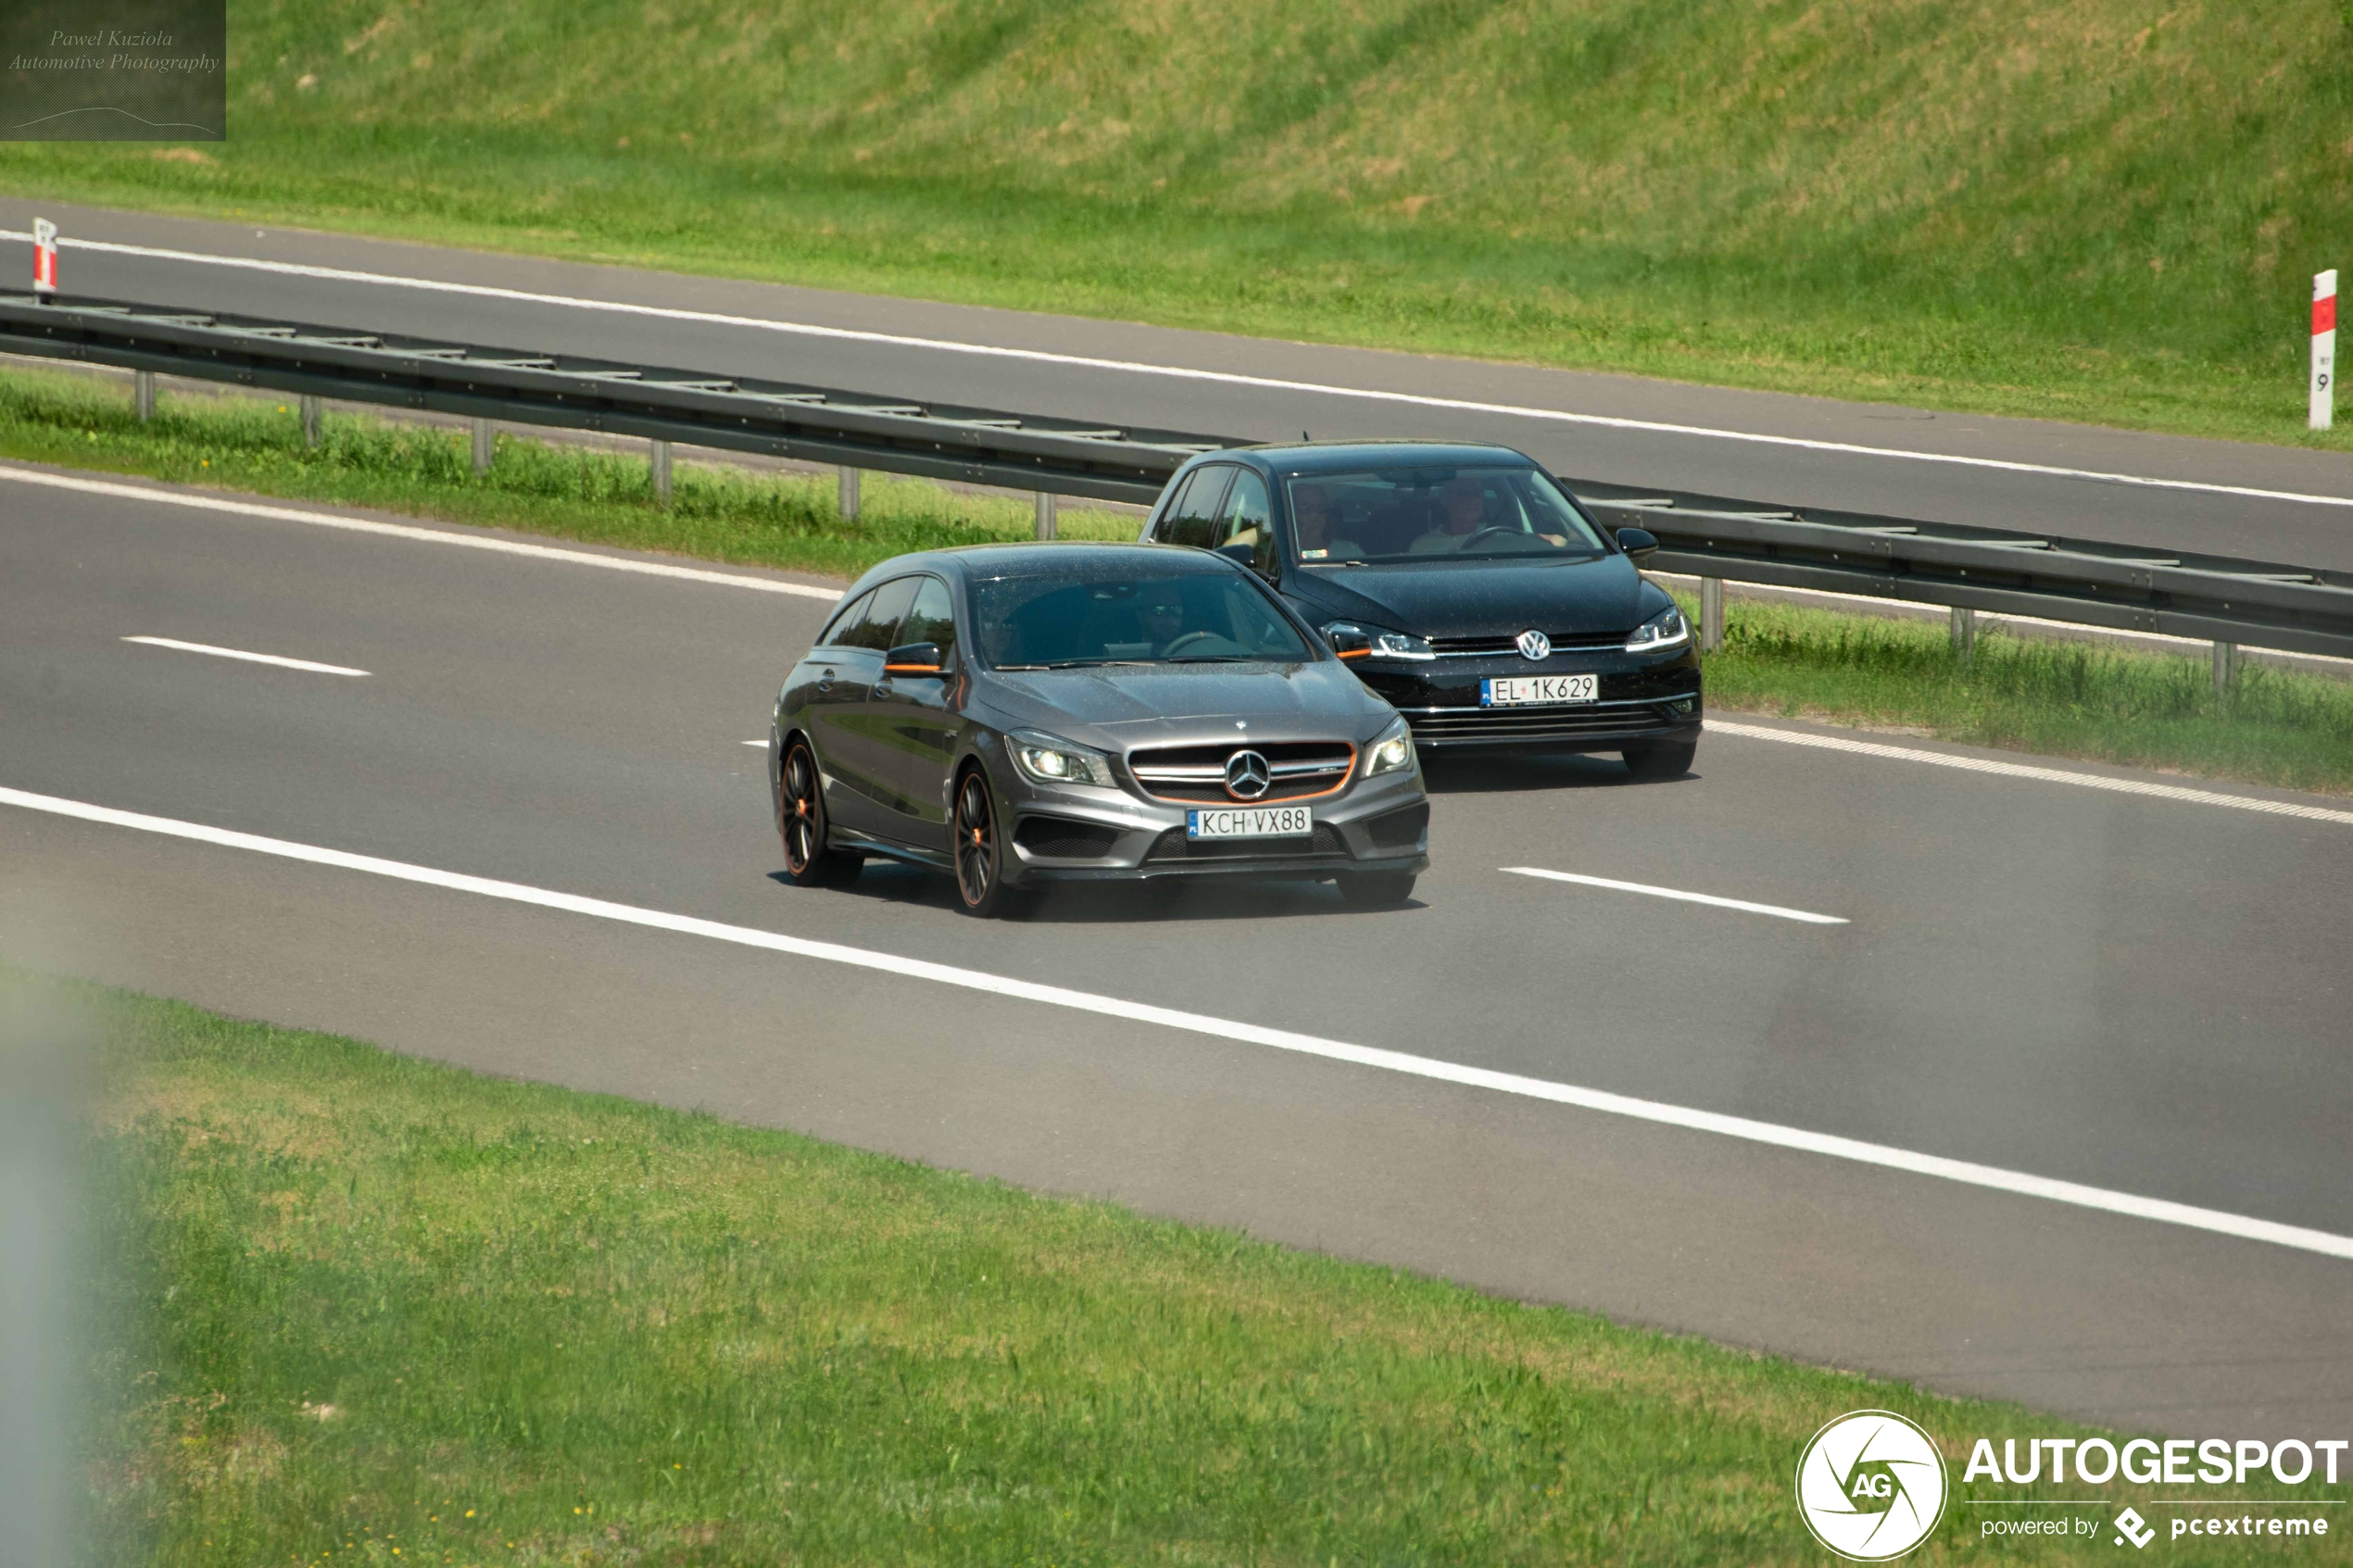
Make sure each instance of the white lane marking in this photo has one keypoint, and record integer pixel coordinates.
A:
(284, 663)
(1963, 1171)
(2046, 775)
(1179, 373)
(1774, 909)
(761, 744)
(404, 531)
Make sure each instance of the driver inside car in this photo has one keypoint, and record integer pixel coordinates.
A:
(1163, 620)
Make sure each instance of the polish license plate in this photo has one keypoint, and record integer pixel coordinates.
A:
(1249, 821)
(1526, 691)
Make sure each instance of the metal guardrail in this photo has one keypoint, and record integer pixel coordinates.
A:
(2086, 583)
(2226, 601)
(780, 418)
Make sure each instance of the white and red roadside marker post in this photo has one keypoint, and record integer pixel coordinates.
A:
(2324, 348)
(44, 261)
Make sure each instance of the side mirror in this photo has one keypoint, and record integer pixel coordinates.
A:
(913, 658)
(1349, 642)
(1246, 553)
(1640, 544)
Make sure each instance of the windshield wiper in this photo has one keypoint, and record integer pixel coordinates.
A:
(1088, 663)
(1230, 658)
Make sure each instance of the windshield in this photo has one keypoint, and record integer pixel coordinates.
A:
(1128, 612)
(1416, 514)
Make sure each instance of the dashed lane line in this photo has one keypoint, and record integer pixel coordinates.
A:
(1776, 911)
(279, 659)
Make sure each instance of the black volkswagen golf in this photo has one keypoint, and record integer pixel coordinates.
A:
(1462, 583)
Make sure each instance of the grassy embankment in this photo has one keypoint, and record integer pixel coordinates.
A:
(719, 513)
(363, 1309)
(2089, 210)
(2064, 699)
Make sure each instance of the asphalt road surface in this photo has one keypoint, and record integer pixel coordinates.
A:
(1154, 376)
(2144, 994)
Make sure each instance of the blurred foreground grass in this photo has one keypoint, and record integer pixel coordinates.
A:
(2068, 699)
(361, 1307)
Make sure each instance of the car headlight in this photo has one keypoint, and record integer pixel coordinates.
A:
(1351, 640)
(1050, 759)
(1393, 753)
(1667, 629)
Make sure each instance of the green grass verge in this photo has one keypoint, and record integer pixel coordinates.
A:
(2077, 208)
(365, 1309)
(2159, 710)
(717, 513)
(2070, 699)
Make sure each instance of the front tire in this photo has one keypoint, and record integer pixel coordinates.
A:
(1376, 890)
(981, 854)
(809, 861)
(1660, 758)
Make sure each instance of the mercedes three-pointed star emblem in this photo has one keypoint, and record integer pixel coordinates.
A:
(1247, 775)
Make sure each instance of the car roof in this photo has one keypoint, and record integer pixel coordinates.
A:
(1332, 457)
(986, 560)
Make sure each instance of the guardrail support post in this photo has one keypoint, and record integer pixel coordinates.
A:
(314, 421)
(1964, 633)
(143, 395)
(661, 473)
(849, 494)
(1711, 614)
(483, 447)
(2226, 668)
(1045, 514)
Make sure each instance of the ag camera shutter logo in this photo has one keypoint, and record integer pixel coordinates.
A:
(1871, 1485)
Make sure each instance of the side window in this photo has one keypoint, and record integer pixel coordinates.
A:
(1248, 519)
(1192, 518)
(1176, 507)
(847, 616)
(885, 607)
(932, 620)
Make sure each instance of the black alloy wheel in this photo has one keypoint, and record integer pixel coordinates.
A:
(1660, 758)
(801, 822)
(980, 851)
(1376, 889)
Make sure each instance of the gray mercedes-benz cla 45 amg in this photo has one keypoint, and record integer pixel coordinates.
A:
(1020, 714)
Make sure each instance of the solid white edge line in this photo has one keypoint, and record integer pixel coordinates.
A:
(1967, 1172)
(1228, 378)
(2027, 771)
(405, 531)
(314, 668)
(1774, 909)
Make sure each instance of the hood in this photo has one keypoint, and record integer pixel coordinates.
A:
(1326, 697)
(1480, 599)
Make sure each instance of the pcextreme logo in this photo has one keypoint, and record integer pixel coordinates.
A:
(1870, 1486)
